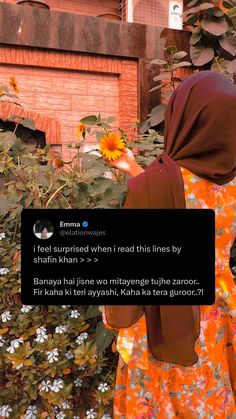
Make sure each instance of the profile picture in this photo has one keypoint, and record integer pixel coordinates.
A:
(43, 229)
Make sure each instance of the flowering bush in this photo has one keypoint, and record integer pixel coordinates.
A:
(56, 361)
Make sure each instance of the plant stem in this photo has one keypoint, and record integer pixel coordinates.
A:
(15, 128)
(54, 194)
(172, 79)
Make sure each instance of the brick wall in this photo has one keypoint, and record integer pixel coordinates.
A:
(85, 84)
(65, 96)
(82, 7)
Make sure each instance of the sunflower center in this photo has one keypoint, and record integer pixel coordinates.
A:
(111, 145)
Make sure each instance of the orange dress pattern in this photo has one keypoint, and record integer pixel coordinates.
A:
(147, 388)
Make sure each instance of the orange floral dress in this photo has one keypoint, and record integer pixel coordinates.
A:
(147, 388)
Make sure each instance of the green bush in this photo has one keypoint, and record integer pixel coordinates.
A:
(55, 361)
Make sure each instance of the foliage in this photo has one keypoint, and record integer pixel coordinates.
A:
(146, 146)
(167, 77)
(213, 33)
(55, 361)
(29, 334)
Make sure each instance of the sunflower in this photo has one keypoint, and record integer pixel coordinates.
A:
(81, 130)
(13, 84)
(112, 146)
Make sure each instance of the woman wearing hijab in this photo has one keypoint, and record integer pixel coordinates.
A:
(180, 361)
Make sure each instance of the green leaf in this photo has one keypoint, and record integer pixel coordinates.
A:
(4, 207)
(162, 76)
(157, 109)
(229, 20)
(182, 64)
(195, 37)
(231, 68)
(158, 116)
(215, 11)
(100, 185)
(199, 8)
(105, 126)
(192, 20)
(104, 337)
(214, 27)
(145, 126)
(157, 87)
(229, 44)
(171, 49)
(89, 120)
(111, 119)
(192, 3)
(226, 4)
(99, 120)
(92, 311)
(28, 123)
(179, 55)
(201, 55)
(158, 61)
(7, 139)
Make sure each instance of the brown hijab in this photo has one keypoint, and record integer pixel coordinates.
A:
(200, 135)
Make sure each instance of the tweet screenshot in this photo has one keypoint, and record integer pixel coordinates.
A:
(106, 256)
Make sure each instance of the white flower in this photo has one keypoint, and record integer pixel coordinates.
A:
(61, 329)
(4, 271)
(11, 350)
(52, 355)
(26, 309)
(60, 415)
(65, 405)
(78, 382)
(57, 385)
(6, 316)
(74, 314)
(81, 338)
(103, 387)
(91, 414)
(41, 334)
(1, 344)
(5, 410)
(41, 338)
(16, 342)
(82, 367)
(41, 330)
(106, 416)
(2, 236)
(31, 412)
(76, 417)
(65, 307)
(69, 355)
(45, 386)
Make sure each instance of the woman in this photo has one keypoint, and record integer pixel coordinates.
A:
(196, 170)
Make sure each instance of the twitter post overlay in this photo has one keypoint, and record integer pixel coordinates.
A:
(121, 256)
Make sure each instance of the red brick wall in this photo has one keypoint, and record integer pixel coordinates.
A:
(82, 7)
(94, 84)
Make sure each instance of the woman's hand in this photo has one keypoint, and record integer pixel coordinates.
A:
(127, 163)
